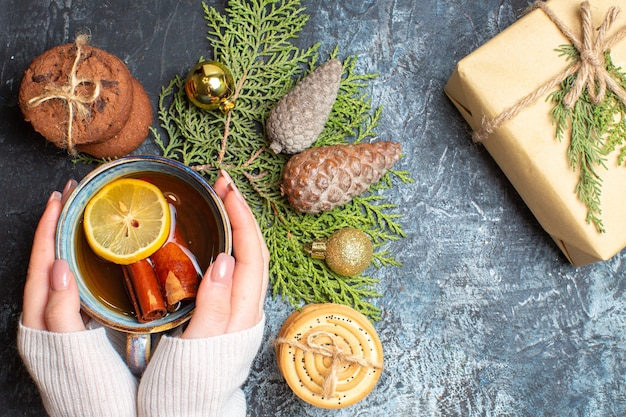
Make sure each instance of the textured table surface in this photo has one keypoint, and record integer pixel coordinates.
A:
(484, 318)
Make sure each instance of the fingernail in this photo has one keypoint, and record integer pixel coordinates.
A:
(55, 196)
(221, 269)
(60, 275)
(231, 184)
(67, 190)
(224, 173)
(69, 185)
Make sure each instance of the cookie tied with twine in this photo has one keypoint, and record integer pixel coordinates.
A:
(329, 354)
(590, 69)
(76, 94)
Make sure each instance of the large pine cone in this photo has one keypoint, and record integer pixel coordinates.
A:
(299, 117)
(322, 178)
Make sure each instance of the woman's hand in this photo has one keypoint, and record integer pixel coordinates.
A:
(51, 300)
(232, 293)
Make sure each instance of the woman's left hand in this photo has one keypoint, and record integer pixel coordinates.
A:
(231, 295)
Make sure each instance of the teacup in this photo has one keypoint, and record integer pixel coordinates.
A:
(100, 283)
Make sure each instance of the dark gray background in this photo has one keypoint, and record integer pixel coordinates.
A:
(485, 318)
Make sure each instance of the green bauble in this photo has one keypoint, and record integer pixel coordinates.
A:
(210, 86)
(347, 252)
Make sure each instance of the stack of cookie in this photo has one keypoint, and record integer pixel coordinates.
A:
(84, 99)
(329, 354)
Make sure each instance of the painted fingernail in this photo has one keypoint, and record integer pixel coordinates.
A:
(231, 184)
(224, 173)
(69, 185)
(221, 269)
(67, 190)
(55, 196)
(60, 275)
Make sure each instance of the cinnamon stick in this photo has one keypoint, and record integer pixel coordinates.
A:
(143, 289)
(176, 273)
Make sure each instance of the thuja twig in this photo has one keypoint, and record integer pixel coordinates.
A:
(255, 36)
(220, 157)
(254, 156)
(253, 179)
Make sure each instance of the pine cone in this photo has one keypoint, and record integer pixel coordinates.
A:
(299, 117)
(325, 177)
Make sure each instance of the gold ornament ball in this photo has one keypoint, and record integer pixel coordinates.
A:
(348, 252)
(210, 86)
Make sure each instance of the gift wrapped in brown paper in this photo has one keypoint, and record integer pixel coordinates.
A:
(503, 91)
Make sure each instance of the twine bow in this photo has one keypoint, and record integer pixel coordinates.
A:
(67, 93)
(330, 350)
(590, 69)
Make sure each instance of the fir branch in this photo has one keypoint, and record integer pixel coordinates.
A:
(254, 39)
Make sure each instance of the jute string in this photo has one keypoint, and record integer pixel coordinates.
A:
(330, 350)
(75, 102)
(590, 69)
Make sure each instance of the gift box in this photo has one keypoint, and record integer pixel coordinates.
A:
(503, 91)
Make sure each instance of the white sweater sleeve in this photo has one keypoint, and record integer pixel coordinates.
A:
(78, 373)
(199, 377)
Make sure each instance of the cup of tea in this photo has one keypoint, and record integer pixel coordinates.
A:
(200, 217)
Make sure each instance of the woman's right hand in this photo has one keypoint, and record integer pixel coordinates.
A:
(51, 300)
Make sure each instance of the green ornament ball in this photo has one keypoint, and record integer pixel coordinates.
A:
(210, 86)
(347, 251)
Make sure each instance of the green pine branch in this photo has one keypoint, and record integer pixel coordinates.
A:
(595, 131)
(253, 39)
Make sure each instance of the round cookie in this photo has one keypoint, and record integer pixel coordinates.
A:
(332, 348)
(132, 134)
(50, 73)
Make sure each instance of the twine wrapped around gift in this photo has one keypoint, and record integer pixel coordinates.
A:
(590, 69)
(332, 351)
(75, 102)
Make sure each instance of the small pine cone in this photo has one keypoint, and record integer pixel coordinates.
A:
(299, 117)
(322, 178)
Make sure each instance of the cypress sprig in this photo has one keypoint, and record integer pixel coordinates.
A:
(253, 38)
(595, 131)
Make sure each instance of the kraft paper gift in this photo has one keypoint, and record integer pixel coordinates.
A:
(499, 75)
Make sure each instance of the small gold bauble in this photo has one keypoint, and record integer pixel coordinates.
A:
(210, 86)
(347, 252)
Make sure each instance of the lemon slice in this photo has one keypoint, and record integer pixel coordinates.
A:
(127, 220)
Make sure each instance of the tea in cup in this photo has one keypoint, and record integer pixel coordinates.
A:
(200, 221)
